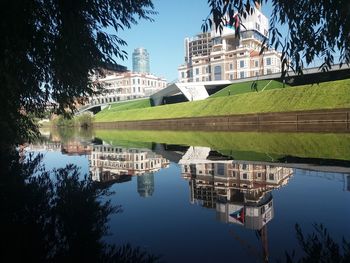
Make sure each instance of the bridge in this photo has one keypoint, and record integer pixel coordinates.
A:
(95, 108)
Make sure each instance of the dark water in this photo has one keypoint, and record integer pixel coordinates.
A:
(198, 204)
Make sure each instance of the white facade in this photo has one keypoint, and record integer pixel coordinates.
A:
(123, 161)
(127, 86)
(212, 56)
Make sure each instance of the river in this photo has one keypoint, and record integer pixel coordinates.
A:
(211, 196)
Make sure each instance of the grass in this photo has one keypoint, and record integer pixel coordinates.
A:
(137, 104)
(243, 145)
(326, 95)
(245, 87)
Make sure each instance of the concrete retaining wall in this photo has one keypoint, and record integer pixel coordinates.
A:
(337, 120)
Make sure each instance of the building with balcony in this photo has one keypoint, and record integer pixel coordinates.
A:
(214, 56)
(239, 192)
(127, 86)
(108, 162)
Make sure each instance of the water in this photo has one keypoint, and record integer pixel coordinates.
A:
(195, 203)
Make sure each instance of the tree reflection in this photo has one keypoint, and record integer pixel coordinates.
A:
(319, 246)
(56, 216)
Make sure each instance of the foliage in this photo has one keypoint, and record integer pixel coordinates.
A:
(316, 29)
(320, 247)
(326, 95)
(56, 216)
(84, 120)
(50, 49)
(245, 87)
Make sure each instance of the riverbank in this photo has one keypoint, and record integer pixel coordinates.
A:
(326, 95)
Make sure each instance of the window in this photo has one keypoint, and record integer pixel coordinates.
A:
(271, 177)
(217, 73)
(257, 26)
(244, 167)
(231, 76)
(245, 176)
(133, 81)
(268, 61)
(241, 74)
(197, 71)
(231, 66)
(256, 63)
(138, 81)
(221, 169)
(241, 63)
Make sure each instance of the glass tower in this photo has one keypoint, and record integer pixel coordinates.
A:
(140, 60)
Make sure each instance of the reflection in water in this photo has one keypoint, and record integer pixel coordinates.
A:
(240, 192)
(119, 164)
(56, 216)
(145, 184)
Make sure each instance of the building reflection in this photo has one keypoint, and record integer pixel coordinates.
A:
(118, 164)
(239, 191)
(145, 184)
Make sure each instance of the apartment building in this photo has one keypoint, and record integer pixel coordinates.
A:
(214, 56)
(115, 161)
(127, 86)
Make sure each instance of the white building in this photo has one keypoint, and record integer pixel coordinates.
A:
(115, 161)
(127, 86)
(211, 56)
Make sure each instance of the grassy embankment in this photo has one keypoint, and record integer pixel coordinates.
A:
(326, 95)
(246, 87)
(138, 104)
(242, 145)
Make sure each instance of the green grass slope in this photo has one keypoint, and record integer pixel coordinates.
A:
(245, 87)
(326, 95)
(137, 104)
(244, 145)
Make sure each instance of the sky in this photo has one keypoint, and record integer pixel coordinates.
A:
(164, 38)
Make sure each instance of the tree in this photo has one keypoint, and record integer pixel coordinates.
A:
(48, 51)
(316, 29)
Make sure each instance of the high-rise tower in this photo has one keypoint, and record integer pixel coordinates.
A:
(140, 60)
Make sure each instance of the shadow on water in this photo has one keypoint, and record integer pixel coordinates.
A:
(56, 216)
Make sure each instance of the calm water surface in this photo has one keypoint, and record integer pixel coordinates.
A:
(194, 203)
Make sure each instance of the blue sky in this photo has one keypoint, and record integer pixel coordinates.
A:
(164, 37)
